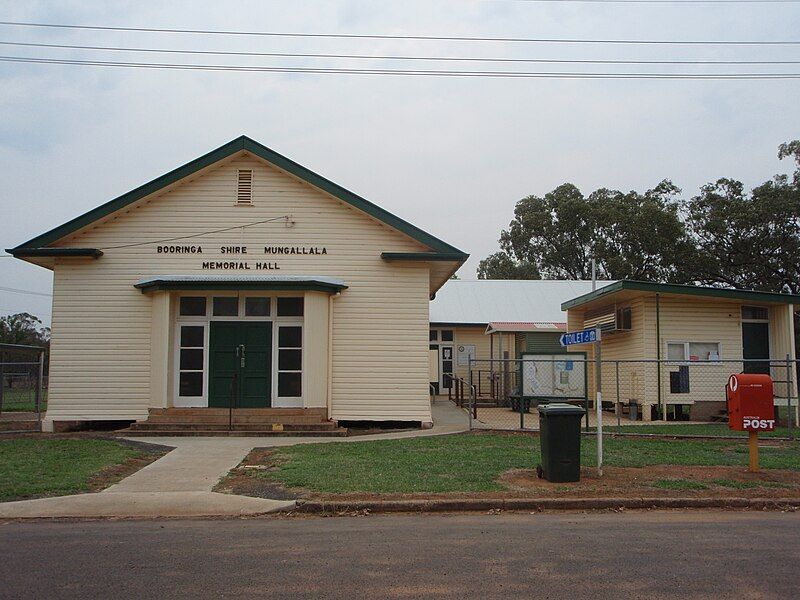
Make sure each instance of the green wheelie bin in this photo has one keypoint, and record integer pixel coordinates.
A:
(560, 435)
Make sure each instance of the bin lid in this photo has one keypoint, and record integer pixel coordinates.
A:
(560, 408)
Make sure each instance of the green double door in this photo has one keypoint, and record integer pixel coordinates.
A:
(240, 364)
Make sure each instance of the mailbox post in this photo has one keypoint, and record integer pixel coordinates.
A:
(751, 408)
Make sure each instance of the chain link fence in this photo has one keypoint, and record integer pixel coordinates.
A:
(23, 384)
(504, 394)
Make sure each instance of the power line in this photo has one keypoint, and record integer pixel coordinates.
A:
(194, 235)
(399, 37)
(28, 292)
(404, 72)
(661, 1)
(400, 57)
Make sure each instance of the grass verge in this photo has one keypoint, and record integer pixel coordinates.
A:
(35, 467)
(475, 462)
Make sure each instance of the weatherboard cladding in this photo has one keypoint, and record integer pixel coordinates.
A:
(246, 144)
(101, 346)
(542, 342)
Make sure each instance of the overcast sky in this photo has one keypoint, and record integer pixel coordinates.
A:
(450, 155)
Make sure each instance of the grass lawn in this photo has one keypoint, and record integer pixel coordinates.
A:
(474, 462)
(31, 467)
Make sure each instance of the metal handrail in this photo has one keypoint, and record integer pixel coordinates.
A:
(473, 389)
(232, 394)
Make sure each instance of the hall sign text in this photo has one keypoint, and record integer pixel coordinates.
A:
(242, 250)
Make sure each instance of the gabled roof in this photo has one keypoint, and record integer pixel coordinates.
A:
(479, 302)
(246, 144)
(630, 285)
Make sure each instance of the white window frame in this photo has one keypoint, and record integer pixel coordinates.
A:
(190, 401)
(687, 354)
(288, 401)
(205, 320)
(753, 320)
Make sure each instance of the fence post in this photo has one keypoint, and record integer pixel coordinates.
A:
(40, 389)
(789, 379)
(2, 377)
(599, 404)
(471, 391)
(619, 404)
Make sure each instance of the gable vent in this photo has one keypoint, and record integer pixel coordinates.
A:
(244, 188)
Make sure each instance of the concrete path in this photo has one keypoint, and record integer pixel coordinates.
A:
(179, 484)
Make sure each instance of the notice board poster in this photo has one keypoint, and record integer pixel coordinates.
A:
(466, 352)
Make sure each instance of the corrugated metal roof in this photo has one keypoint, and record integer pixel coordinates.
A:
(483, 301)
(520, 326)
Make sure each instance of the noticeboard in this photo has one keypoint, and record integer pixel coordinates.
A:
(560, 376)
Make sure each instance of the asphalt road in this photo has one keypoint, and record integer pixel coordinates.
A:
(621, 555)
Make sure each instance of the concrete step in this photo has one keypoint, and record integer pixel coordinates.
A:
(296, 412)
(225, 419)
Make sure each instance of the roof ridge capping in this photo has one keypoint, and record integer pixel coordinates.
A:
(241, 143)
(681, 288)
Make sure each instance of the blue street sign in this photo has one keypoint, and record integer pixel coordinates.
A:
(587, 336)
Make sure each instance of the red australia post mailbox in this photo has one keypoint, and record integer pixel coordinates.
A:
(750, 402)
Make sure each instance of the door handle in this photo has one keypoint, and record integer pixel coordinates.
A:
(240, 350)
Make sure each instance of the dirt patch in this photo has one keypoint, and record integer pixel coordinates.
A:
(244, 480)
(111, 475)
(660, 481)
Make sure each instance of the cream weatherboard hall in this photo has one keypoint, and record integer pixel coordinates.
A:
(240, 279)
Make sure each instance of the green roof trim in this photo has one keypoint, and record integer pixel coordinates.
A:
(425, 256)
(59, 252)
(158, 284)
(246, 144)
(674, 288)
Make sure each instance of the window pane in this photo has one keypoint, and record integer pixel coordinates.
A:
(290, 307)
(191, 384)
(434, 335)
(290, 385)
(675, 352)
(226, 306)
(755, 312)
(191, 360)
(192, 336)
(290, 360)
(290, 337)
(256, 307)
(447, 335)
(192, 306)
(703, 351)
